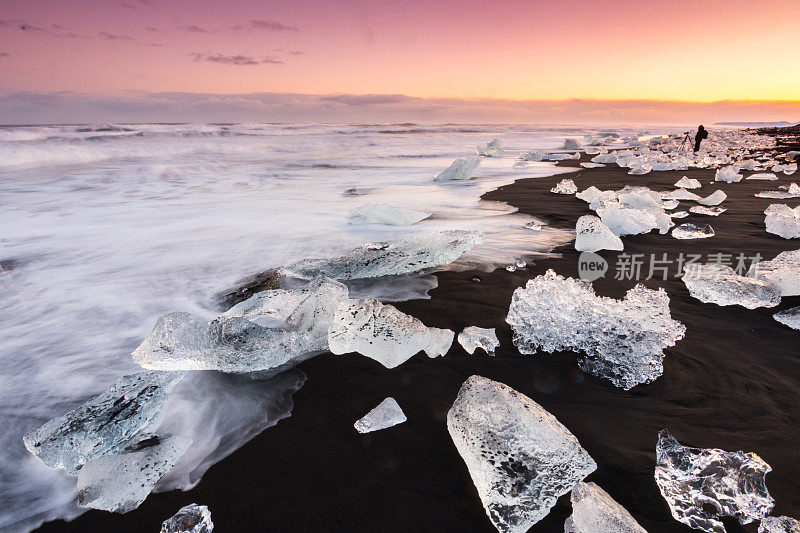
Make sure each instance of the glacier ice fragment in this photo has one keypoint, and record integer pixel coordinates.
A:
(702, 485)
(460, 169)
(715, 198)
(783, 270)
(710, 211)
(565, 186)
(571, 144)
(491, 149)
(192, 518)
(789, 317)
(624, 340)
(103, 424)
(591, 235)
(765, 176)
(385, 415)
(270, 330)
(693, 231)
(373, 260)
(779, 524)
(783, 221)
(729, 174)
(121, 482)
(688, 183)
(520, 457)
(473, 337)
(720, 284)
(595, 511)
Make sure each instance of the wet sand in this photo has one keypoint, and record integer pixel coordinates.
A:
(733, 383)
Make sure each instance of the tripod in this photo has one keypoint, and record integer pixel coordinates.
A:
(687, 136)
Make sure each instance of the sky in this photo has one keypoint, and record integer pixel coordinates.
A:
(495, 58)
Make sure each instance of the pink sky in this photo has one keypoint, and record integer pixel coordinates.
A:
(697, 51)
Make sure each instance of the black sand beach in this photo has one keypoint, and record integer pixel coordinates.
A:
(733, 383)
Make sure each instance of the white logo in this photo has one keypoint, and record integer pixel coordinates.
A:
(591, 266)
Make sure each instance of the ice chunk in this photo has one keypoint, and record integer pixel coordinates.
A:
(720, 284)
(473, 337)
(589, 164)
(492, 149)
(669, 205)
(789, 317)
(385, 415)
(565, 186)
(121, 482)
(702, 485)
(190, 519)
(520, 457)
(373, 260)
(638, 170)
(533, 156)
(693, 231)
(783, 221)
(441, 341)
(381, 332)
(623, 219)
(766, 176)
(386, 214)
(710, 211)
(270, 330)
(679, 214)
(594, 511)
(783, 271)
(592, 235)
(590, 150)
(716, 198)
(792, 155)
(105, 423)
(605, 158)
(460, 169)
(728, 174)
(681, 194)
(592, 195)
(624, 340)
(571, 144)
(779, 524)
(687, 183)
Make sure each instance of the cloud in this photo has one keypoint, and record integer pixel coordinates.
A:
(115, 36)
(236, 59)
(191, 28)
(71, 107)
(268, 25)
(4, 55)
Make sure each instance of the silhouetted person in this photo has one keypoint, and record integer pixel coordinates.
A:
(701, 134)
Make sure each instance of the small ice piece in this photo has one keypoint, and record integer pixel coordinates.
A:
(460, 169)
(639, 170)
(789, 317)
(565, 186)
(728, 174)
(679, 214)
(624, 340)
(533, 156)
(269, 330)
(590, 150)
(792, 191)
(693, 231)
(571, 144)
(779, 524)
(702, 485)
(373, 260)
(719, 284)
(591, 235)
(386, 214)
(380, 332)
(792, 155)
(121, 482)
(511, 268)
(688, 183)
(492, 149)
(521, 263)
(715, 198)
(595, 511)
(474, 337)
(669, 205)
(589, 164)
(592, 195)
(783, 221)
(534, 226)
(783, 271)
(605, 158)
(441, 341)
(681, 194)
(521, 459)
(624, 219)
(765, 176)
(387, 414)
(190, 519)
(105, 423)
(710, 211)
